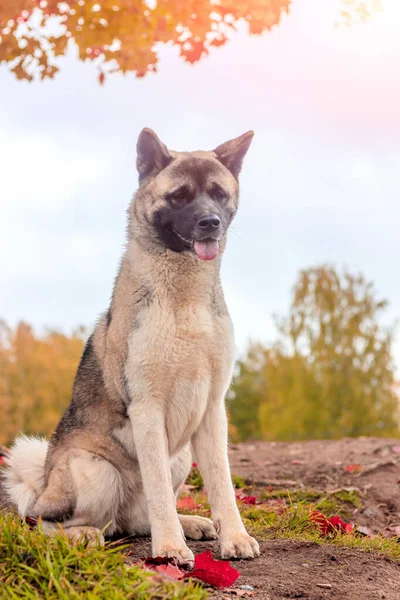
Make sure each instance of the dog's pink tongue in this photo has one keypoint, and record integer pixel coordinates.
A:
(206, 249)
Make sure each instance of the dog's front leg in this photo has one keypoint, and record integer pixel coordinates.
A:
(210, 445)
(149, 434)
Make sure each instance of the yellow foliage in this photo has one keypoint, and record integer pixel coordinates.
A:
(121, 35)
(36, 377)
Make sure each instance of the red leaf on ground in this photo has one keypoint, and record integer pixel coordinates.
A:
(353, 468)
(330, 526)
(297, 462)
(186, 503)
(171, 571)
(31, 521)
(194, 465)
(2, 460)
(248, 499)
(218, 573)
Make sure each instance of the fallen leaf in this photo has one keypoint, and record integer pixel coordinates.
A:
(297, 462)
(218, 573)
(396, 449)
(194, 465)
(330, 525)
(171, 571)
(2, 460)
(248, 500)
(353, 468)
(394, 530)
(186, 503)
(366, 531)
(31, 521)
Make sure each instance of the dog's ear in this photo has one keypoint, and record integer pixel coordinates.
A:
(232, 153)
(152, 155)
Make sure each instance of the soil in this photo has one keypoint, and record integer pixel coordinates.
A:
(288, 569)
(291, 569)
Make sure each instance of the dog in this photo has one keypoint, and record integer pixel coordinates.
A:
(151, 384)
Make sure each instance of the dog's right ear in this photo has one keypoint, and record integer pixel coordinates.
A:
(152, 155)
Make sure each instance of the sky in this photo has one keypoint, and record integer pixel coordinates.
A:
(320, 183)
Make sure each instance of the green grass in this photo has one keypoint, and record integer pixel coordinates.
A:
(340, 502)
(34, 566)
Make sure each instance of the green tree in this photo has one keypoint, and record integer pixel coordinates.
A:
(331, 372)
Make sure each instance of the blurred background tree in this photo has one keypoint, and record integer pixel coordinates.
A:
(122, 35)
(36, 376)
(330, 374)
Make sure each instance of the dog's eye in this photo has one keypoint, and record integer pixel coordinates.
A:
(217, 193)
(180, 196)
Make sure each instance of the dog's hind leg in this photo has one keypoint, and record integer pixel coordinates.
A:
(82, 497)
(75, 532)
(58, 500)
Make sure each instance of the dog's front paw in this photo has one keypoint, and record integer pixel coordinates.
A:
(182, 554)
(239, 545)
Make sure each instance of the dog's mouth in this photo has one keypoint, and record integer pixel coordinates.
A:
(206, 249)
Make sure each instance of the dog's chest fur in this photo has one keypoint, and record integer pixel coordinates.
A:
(179, 356)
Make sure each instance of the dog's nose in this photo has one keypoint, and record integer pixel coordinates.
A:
(209, 223)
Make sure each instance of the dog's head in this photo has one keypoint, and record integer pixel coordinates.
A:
(187, 200)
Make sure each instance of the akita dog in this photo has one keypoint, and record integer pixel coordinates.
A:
(150, 387)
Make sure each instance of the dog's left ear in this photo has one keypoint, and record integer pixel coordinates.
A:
(152, 154)
(232, 153)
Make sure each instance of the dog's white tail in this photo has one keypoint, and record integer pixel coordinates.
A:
(24, 476)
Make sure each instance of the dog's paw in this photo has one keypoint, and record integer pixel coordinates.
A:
(239, 545)
(90, 535)
(182, 554)
(198, 528)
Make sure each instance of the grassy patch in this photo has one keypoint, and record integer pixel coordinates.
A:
(340, 502)
(285, 514)
(34, 566)
(293, 522)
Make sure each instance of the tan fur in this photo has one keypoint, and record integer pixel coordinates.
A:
(153, 377)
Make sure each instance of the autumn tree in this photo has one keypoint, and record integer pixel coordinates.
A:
(36, 376)
(125, 35)
(331, 372)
